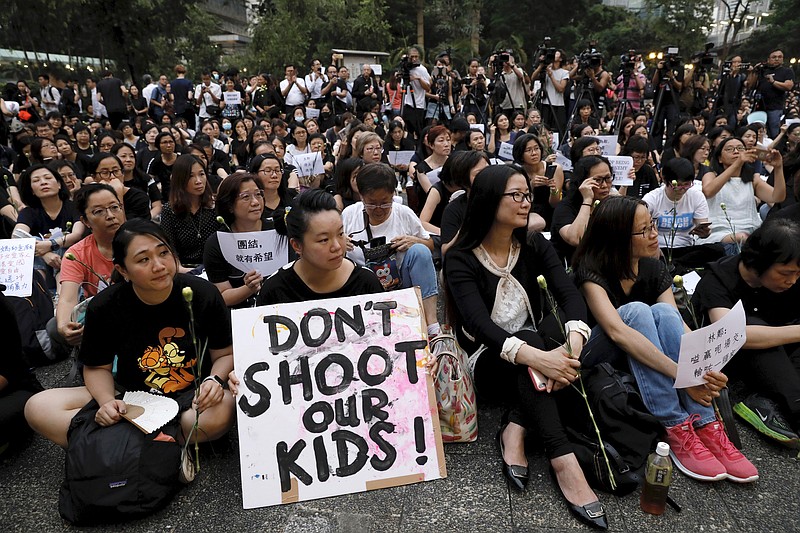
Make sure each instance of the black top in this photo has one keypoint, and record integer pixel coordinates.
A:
(180, 88)
(653, 279)
(564, 214)
(285, 286)
(137, 204)
(40, 223)
(474, 288)
(162, 174)
(12, 364)
(723, 286)
(188, 233)
(773, 97)
(444, 199)
(453, 216)
(152, 342)
(111, 89)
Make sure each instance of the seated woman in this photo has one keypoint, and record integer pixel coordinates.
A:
(109, 170)
(129, 318)
(440, 194)
(240, 201)
(461, 168)
(90, 272)
(491, 274)
(290, 177)
(591, 182)
(764, 278)
(696, 149)
(267, 168)
(377, 216)
(438, 138)
(682, 134)
(629, 293)
(731, 184)
(346, 186)
(682, 212)
(189, 218)
(46, 216)
(546, 183)
(133, 177)
(645, 179)
(160, 167)
(69, 173)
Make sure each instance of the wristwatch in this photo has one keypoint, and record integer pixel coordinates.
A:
(54, 245)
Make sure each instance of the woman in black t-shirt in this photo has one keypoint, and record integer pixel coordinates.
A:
(144, 322)
(160, 168)
(629, 294)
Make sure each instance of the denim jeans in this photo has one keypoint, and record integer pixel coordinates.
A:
(663, 326)
(417, 269)
(774, 122)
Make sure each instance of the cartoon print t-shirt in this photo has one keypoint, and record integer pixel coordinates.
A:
(152, 342)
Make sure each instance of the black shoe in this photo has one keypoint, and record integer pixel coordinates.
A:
(764, 415)
(592, 514)
(516, 474)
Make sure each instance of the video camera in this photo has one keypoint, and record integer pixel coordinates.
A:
(627, 63)
(501, 57)
(727, 68)
(405, 67)
(705, 59)
(671, 59)
(589, 58)
(546, 54)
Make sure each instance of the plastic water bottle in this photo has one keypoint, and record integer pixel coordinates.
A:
(658, 476)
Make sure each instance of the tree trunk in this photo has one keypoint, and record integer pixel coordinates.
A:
(421, 23)
(475, 34)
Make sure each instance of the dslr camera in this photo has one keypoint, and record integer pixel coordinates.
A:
(501, 57)
(627, 63)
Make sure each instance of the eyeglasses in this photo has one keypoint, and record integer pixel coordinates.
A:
(113, 209)
(372, 149)
(373, 207)
(248, 197)
(592, 150)
(639, 157)
(268, 171)
(108, 173)
(604, 179)
(684, 187)
(519, 196)
(734, 149)
(533, 150)
(650, 229)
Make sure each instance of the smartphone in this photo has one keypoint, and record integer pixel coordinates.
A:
(550, 171)
(539, 381)
(762, 154)
(704, 225)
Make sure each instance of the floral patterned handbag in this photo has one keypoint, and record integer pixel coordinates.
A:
(455, 390)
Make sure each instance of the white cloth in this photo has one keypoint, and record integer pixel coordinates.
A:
(556, 98)
(419, 93)
(402, 221)
(99, 110)
(147, 92)
(691, 207)
(512, 309)
(740, 204)
(50, 98)
(207, 99)
(295, 96)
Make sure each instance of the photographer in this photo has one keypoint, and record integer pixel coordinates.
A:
(590, 67)
(556, 79)
(729, 95)
(315, 82)
(417, 81)
(772, 81)
(630, 77)
(693, 95)
(474, 92)
(441, 106)
(668, 81)
(510, 78)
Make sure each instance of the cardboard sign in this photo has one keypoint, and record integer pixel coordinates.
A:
(400, 157)
(620, 166)
(16, 266)
(309, 164)
(608, 144)
(506, 151)
(334, 398)
(710, 348)
(262, 251)
(312, 112)
(232, 97)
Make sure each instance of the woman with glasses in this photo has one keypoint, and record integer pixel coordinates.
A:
(369, 148)
(644, 177)
(160, 167)
(267, 169)
(731, 185)
(546, 183)
(240, 201)
(638, 327)
(109, 170)
(188, 218)
(491, 274)
(591, 183)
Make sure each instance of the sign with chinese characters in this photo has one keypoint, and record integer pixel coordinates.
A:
(334, 398)
(400, 157)
(710, 348)
(16, 266)
(232, 97)
(309, 164)
(262, 251)
(506, 151)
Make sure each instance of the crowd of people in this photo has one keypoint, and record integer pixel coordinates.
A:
(126, 187)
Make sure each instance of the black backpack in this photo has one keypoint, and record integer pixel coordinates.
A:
(32, 314)
(628, 430)
(116, 473)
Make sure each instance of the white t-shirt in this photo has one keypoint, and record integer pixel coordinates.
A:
(315, 86)
(691, 207)
(402, 221)
(206, 100)
(147, 92)
(556, 98)
(419, 92)
(295, 96)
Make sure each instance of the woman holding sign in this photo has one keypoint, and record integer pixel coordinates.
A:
(629, 292)
(240, 202)
(491, 274)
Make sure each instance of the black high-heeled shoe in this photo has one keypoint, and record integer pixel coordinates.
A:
(517, 474)
(592, 514)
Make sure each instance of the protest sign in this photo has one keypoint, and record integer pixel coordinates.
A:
(506, 151)
(312, 112)
(400, 157)
(620, 166)
(262, 251)
(478, 127)
(16, 266)
(433, 175)
(608, 144)
(710, 348)
(309, 164)
(565, 162)
(334, 398)
(377, 70)
(555, 144)
(232, 97)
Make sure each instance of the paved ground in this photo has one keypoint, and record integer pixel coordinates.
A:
(473, 498)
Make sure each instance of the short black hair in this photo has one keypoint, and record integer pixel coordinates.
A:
(777, 241)
(82, 195)
(376, 177)
(678, 169)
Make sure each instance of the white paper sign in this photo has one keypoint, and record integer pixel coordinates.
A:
(16, 266)
(506, 151)
(376, 69)
(232, 97)
(261, 251)
(608, 144)
(710, 348)
(433, 175)
(564, 161)
(309, 164)
(333, 398)
(478, 127)
(400, 157)
(312, 112)
(620, 166)
(555, 141)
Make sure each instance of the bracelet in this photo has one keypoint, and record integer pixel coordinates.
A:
(216, 378)
(590, 205)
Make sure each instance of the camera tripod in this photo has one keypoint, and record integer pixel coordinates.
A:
(541, 98)
(658, 118)
(413, 125)
(624, 105)
(584, 93)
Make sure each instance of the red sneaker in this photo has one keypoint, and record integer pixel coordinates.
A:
(690, 455)
(739, 468)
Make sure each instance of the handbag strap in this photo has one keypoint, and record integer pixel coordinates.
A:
(366, 225)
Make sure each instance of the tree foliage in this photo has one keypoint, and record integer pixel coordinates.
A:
(784, 33)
